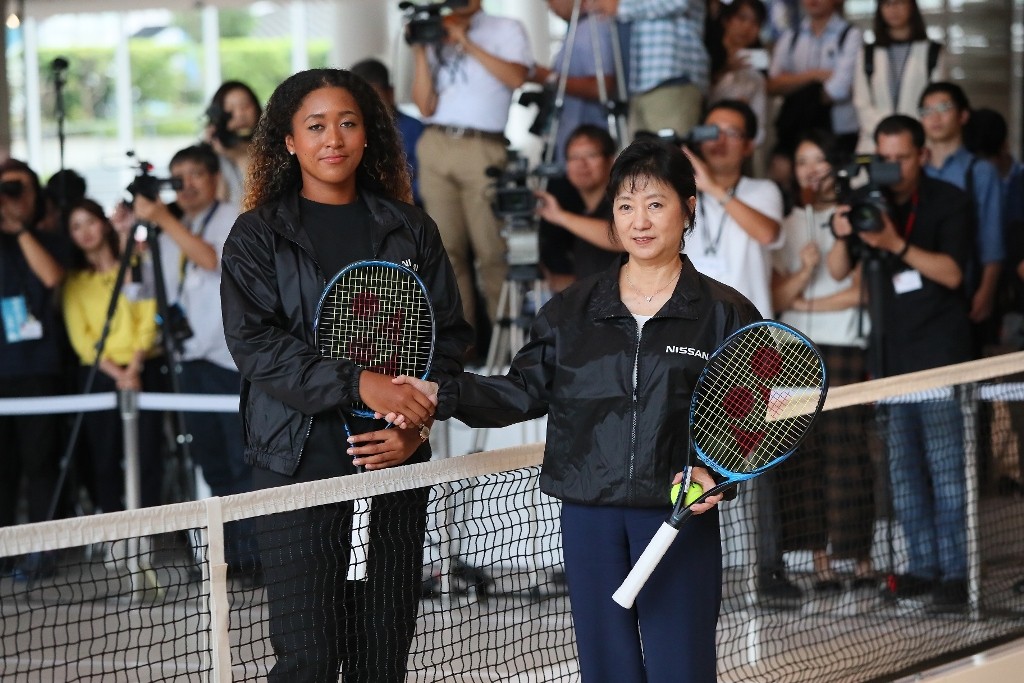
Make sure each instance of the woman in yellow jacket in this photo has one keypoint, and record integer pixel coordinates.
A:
(127, 359)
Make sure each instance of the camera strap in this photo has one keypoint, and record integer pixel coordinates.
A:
(908, 226)
(183, 261)
(711, 244)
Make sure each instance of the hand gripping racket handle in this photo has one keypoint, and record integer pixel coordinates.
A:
(644, 566)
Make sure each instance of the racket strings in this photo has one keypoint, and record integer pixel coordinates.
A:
(757, 400)
(379, 318)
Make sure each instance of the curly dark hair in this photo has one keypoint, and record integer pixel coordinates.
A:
(273, 171)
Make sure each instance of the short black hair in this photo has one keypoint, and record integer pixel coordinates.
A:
(985, 133)
(955, 92)
(898, 124)
(741, 108)
(201, 154)
(373, 72)
(656, 159)
(598, 134)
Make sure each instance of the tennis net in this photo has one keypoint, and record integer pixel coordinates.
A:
(147, 595)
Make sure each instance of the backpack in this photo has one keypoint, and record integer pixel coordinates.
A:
(805, 108)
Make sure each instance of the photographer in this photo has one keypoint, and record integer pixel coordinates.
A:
(738, 218)
(575, 240)
(30, 348)
(232, 115)
(463, 86)
(190, 250)
(921, 248)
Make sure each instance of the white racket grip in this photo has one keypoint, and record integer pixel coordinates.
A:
(644, 566)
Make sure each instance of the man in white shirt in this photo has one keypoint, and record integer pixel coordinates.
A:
(738, 218)
(190, 252)
(463, 87)
(739, 223)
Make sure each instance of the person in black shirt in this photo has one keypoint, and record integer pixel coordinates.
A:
(574, 238)
(328, 186)
(921, 251)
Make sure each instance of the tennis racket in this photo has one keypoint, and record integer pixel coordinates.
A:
(752, 405)
(376, 314)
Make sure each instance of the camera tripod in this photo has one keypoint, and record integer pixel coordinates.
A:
(143, 578)
(615, 107)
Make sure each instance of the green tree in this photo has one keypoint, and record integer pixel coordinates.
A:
(234, 23)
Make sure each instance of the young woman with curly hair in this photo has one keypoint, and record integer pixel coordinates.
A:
(329, 186)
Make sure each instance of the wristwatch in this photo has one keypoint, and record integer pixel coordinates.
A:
(424, 432)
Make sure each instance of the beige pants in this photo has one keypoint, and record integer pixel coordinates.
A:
(671, 106)
(457, 194)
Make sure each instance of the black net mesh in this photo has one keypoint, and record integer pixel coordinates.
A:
(460, 562)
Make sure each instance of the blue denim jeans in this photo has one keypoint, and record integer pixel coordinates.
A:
(926, 469)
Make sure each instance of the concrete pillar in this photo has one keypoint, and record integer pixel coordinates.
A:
(211, 50)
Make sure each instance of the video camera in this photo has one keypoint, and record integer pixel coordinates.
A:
(425, 25)
(868, 202)
(512, 195)
(148, 185)
(515, 203)
(219, 119)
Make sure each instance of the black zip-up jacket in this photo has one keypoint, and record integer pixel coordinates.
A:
(608, 444)
(270, 287)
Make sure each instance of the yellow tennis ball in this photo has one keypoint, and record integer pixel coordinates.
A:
(693, 493)
(673, 494)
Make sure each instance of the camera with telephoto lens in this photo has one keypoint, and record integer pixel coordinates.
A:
(219, 119)
(12, 188)
(868, 203)
(425, 24)
(148, 185)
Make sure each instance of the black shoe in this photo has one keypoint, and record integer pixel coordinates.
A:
(828, 586)
(775, 588)
(1018, 587)
(249, 577)
(949, 596)
(907, 586)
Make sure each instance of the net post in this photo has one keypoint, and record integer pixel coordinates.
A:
(128, 404)
(968, 399)
(217, 573)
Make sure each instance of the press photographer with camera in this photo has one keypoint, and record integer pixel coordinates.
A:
(919, 249)
(31, 346)
(231, 117)
(463, 85)
(190, 251)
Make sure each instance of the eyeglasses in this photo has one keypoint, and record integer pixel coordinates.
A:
(584, 157)
(940, 108)
(732, 133)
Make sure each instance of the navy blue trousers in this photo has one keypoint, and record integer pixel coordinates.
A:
(669, 634)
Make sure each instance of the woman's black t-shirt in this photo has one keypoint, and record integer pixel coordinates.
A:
(341, 236)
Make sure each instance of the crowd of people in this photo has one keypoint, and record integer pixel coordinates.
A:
(751, 223)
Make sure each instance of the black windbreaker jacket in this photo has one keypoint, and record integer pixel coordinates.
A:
(608, 444)
(270, 287)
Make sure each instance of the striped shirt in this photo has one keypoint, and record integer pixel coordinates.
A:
(666, 43)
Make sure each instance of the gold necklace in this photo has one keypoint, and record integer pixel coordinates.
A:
(650, 298)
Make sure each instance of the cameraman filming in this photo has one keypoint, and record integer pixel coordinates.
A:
(921, 248)
(463, 86)
(232, 116)
(190, 251)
